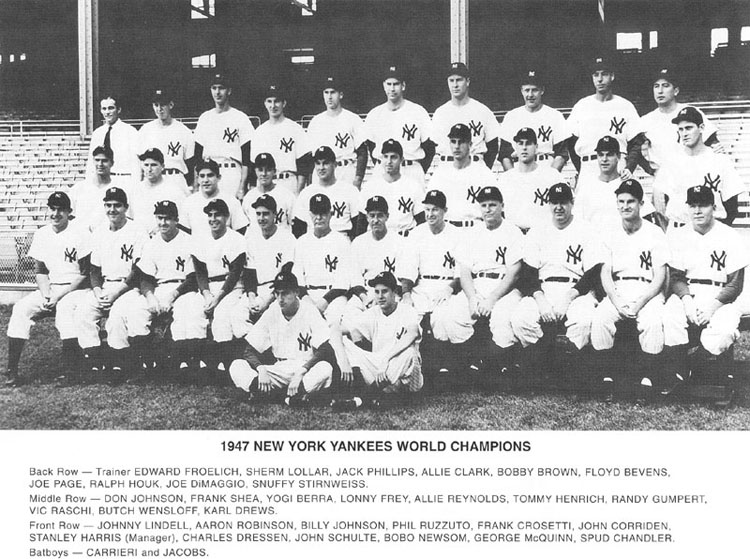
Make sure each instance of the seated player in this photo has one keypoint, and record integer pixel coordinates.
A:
(265, 171)
(297, 336)
(60, 251)
(392, 369)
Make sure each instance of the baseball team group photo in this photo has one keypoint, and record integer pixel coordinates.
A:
(406, 258)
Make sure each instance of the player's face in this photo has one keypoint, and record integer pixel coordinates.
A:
(152, 169)
(265, 176)
(492, 213)
(275, 106)
(392, 163)
(385, 298)
(208, 182)
(266, 218)
(287, 299)
(525, 150)
(664, 92)
(58, 217)
(701, 215)
(163, 111)
(116, 212)
(325, 169)
(562, 212)
(690, 133)
(460, 149)
(608, 161)
(532, 95)
(217, 222)
(628, 206)
(377, 221)
(434, 215)
(321, 222)
(603, 81)
(458, 86)
(102, 165)
(220, 93)
(332, 98)
(110, 111)
(167, 226)
(394, 89)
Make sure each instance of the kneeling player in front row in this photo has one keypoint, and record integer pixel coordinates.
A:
(392, 368)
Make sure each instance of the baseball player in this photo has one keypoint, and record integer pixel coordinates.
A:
(192, 211)
(403, 194)
(285, 140)
(696, 165)
(599, 115)
(462, 180)
(295, 332)
(343, 196)
(322, 259)
(547, 123)
(152, 189)
(707, 270)
(634, 256)
(224, 134)
(86, 195)
(265, 172)
(402, 120)
(60, 251)
(527, 185)
(394, 366)
(461, 108)
(114, 252)
(172, 138)
(121, 138)
(343, 131)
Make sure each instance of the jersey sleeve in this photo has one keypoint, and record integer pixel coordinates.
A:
(358, 131)
(660, 252)
(36, 251)
(201, 130)
(492, 126)
(247, 130)
(533, 249)
(732, 184)
(189, 145)
(410, 259)
(147, 263)
(238, 217)
(633, 120)
(573, 124)
(516, 246)
(319, 328)
(260, 335)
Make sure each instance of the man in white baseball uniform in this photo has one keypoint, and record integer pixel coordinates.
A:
(634, 270)
(526, 186)
(341, 130)
(298, 336)
(121, 138)
(224, 135)
(86, 195)
(60, 251)
(152, 189)
(463, 109)
(265, 173)
(547, 123)
(404, 121)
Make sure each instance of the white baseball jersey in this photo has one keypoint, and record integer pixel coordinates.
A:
(708, 168)
(222, 134)
(404, 198)
(174, 141)
(144, 196)
(87, 201)
(344, 199)
(461, 187)
(663, 138)
(167, 261)
(492, 251)
(373, 256)
(193, 217)
(115, 252)
(525, 194)
(285, 141)
(218, 254)
(293, 339)
(480, 120)
(285, 202)
(562, 253)
(409, 125)
(548, 123)
(429, 254)
(343, 133)
(124, 143)
(591, 120)
(267, 256)
(383, 331)
(634, 255)
(60, 252)
(323, 262)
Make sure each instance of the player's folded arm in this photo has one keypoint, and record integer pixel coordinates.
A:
(250, 281)
(201, 274)
(234, 274)
(678, 282)
(489, 156)
(733, 287)
(590, 281)
(634, 155)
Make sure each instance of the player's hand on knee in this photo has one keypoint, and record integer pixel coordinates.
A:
(347, 377)
(264, 381)
(293, 387)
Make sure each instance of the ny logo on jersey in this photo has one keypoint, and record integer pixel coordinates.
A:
(544, 133)
(476, 128)
(173, 148)
(126, 252)
(342, 141)
(286, 144)
(280, 215)
(389, 264)
(719, 259)
(409, 132)
(575, 253)
(179, 264)
(278, 259)
(714, 183)
(449, 261)
(406, 205)
(71, 254)
(304, 341)
(616, 126)
(400, 333)
(646, 262)
(331, 263)
(230, 135)
(225, 261)
(541, 197)
(471, 193)
(500, 253)
(338, 209)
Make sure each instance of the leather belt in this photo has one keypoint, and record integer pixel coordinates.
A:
(432, 277)
(560, 279)
(232, 164)
(490, 275)
(465, 223)
(707, 282)
(589, 157)
(218, 278)
(617, 277)
(345, 162)
(319, 287)
(538, 157)
(451, 158)
(162, 282)
(172, 172)
(676, 224)
(121, 174)
(404, 232)
(114, 279)
(285, 175)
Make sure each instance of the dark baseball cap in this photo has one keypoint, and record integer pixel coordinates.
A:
(217, 205)
(265, 201)
(689, 114)
(460, 131)
(559, 193)
(153, 153)
(435, 198)
(265, 161)
(219, 78)
(667, 75)
(700, 196)
(532, 77)
(209, 164)
(324, 153)
(320, 204)
(162, 96)
(285, 279)
(59, 200)
(632, 187)
(489, 193)
(525, 134)
(274, 90)
(392, 146)
(384, 278)
(167, 208)
(393, 71)
(458, 69)
(601, 63)
(330, 82)
(608, 144)
(115, 194)
(376, 204)
(105, 151)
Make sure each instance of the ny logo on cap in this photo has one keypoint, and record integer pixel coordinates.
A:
(714, 183)
(599, 60)
(278, 259)
(342, 141)
(400, 333)
(179, 264)
(126, 253)
(476, 127)
(286, 144)
(575, 253)
(472, 192)
(338, 209)
(304, 341)
(646, 262)
(230, 135)
(331, 263)
(318, 198)
(225, 261)
(71, 254)
(663, 71)
(449, 261)
(545, 133)
(389, 264)
(174, 149)
(406, 205)
(541, 197)
(532, 74)
(617, 125)
(392, 69)
(719, 259)
(500, 253)
(409, 132)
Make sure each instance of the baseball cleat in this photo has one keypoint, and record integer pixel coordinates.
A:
(349, 404)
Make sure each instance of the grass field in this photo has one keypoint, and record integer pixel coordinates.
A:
(164, 405)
